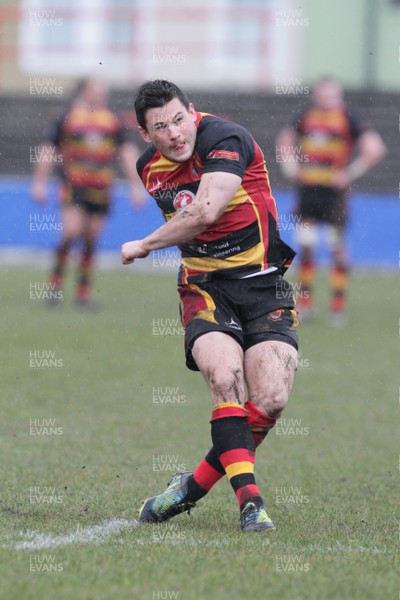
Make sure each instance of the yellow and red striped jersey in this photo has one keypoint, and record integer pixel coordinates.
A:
(245, 239)
(87, 141)
(325, 143)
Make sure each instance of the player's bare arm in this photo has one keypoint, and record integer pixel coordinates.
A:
(215, 193)
(286, 153)
(370, 151)
(42, 173)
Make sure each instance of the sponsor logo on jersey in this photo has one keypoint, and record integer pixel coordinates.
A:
(183, 199)
(223, 154)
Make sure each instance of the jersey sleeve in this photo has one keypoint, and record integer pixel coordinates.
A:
(224, 146)
(144, 160)
(357, 125)
(297, 122)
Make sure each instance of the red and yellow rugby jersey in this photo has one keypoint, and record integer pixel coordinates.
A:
(325, 143)
(87, 141)
(245, 239)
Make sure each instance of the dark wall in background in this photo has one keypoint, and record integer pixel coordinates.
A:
(22, 120)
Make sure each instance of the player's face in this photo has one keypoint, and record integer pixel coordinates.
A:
(95, 93)
(171, 128)
(328, 95)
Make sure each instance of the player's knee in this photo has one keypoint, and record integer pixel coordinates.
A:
(307, 236)
(275, 401)
(226, 385)
(67, 240)
(89, 244)
(339, 259)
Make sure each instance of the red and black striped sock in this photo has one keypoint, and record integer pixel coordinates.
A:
(57, 275)
(210, 470)
(339, 280)
(85, 271)
(306, 280)
(235, 449)
(260, 423)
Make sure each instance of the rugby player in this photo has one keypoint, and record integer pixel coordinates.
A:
(84, 139)
(325, 150)
(209, 179)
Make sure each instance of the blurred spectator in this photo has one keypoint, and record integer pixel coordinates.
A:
(86, 137)
(324, 151)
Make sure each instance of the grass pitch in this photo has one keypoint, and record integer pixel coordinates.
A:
(98, 410)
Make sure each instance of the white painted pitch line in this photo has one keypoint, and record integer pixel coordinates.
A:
(86, 535)
(99, 533)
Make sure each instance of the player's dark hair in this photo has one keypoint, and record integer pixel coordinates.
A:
(80, 86)
(155, 94)
(77, 91)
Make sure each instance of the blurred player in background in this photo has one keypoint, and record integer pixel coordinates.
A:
(86, 137)
(209, 179)
(325, 150)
